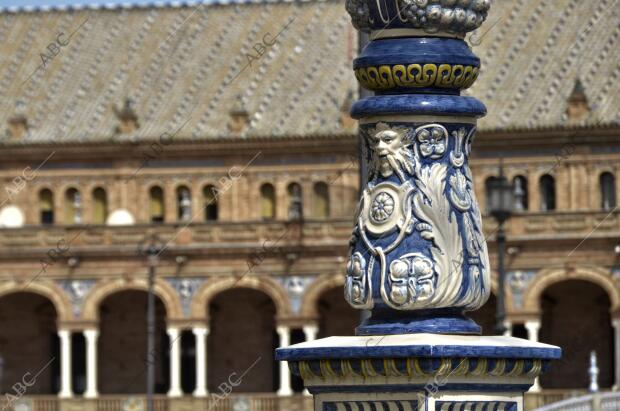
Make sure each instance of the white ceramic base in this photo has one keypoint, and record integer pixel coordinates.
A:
(430, 372)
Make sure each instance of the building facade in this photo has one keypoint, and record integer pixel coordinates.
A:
(224, 130)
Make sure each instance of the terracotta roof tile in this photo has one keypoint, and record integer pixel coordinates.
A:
(186, 65)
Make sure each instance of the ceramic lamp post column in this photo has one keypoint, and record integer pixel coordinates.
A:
(418, 256)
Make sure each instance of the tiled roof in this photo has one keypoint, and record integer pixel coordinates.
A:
(19, 6)
(533, 56)
(180, 65)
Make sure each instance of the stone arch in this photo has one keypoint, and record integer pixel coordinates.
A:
(257, 193)
(513, 171)
(100, 291)
(212, 287)
(315, 290)
(49, 290)
(182, 183)
(200, 186)
(548, 277)
(142, 208)
(576, 315)
(33, 209)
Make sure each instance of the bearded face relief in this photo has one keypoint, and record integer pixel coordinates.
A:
(387, 145)
(390, 150)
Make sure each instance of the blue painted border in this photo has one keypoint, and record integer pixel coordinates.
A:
(409, 388)
(432, 351)
(477, 405)
(416, 50)
(425, 104)
(436, 321)
(373, 405)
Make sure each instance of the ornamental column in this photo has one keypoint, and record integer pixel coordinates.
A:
(507, 328)
(418, 257)
(91, 337)
(201, 361)
(175, 362)
(310, 332)
(66, 389)
(616, 324)
(533, 327)
(285, 375)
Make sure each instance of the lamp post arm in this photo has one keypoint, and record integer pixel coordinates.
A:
(500, 327)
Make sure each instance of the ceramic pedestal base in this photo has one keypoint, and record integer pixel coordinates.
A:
(418, 371)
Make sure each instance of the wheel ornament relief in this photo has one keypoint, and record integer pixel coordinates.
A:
(382, 207)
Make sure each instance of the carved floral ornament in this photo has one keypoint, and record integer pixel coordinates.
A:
(418, 222)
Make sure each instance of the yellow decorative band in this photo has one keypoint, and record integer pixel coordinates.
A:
(387, 77)
(412, 367)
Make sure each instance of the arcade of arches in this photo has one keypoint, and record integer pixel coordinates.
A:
(241, 333)
(241, 337)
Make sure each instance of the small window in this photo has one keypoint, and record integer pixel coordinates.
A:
(547, 193)
(100, 206)
(184, 204)
(267, 202)
(46, 206)
(295, 204)
(156, 205)
(520, 193)
(209, 199)
(488, 186)
(321, 200)
(73, 206)
(607, 182)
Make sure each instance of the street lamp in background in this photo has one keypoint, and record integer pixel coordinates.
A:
(151, 247)
(501, 202)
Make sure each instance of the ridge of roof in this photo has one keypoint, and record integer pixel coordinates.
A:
(187, 141)
(64, 5)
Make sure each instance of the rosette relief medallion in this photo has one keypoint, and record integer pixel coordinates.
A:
(418, 257)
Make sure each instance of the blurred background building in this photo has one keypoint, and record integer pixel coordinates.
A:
(224, 129)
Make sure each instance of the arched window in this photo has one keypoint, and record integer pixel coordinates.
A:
(607, 182)
(520, 193)
(209, 199)
(295, 205)
(156, 205)
(488, 186)
(267, 202)
(46, 206)
(547, 193)
(321, 200)
(100, 206)
(73, 206)
(184, 204)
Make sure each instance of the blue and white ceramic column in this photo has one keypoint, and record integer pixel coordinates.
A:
(418, 257)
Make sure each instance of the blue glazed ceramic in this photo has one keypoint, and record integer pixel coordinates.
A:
(418, 257)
